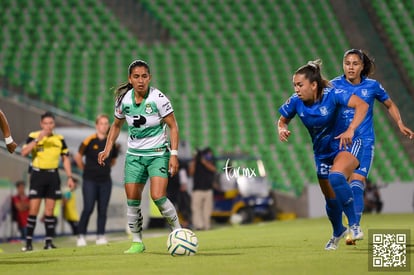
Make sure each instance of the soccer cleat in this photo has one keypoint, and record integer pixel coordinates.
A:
(101, 241)
(356, 233)
(27, 247)
(49, 246)
(135, 248)
(81, 242)
(334, 241)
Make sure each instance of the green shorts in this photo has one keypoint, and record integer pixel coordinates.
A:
(139, 168)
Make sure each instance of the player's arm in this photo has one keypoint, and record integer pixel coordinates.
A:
(361, 109)
(396, 116)
(112, 137)
(174, 138)
(282, 126)
(5, 128)
(68, 170)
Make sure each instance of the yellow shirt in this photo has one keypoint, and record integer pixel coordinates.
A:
(46, 154)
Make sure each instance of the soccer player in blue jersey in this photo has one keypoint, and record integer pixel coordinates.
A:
(147, 112)
(336, 156)
(357, 66)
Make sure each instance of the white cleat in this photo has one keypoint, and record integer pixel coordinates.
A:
(334, 241)
(356, 232)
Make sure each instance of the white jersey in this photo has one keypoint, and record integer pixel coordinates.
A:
(146, 130)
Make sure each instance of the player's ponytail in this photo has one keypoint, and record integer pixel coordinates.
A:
(121, 91)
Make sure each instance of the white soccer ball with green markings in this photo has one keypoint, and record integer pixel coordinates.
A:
(182, 242)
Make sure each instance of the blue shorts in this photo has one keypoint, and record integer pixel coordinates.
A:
(367, 157)
(324, 164)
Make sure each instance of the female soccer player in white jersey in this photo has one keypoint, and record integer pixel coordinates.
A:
(147, 112)
(357, 66)
(336, 156)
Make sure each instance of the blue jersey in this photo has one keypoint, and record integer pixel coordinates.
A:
(322, 119)
(368, 90)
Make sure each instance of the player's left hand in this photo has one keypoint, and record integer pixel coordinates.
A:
(173, 166)
(407, 132)
(11, 147)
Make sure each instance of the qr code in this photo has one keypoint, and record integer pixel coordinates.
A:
(389, 250)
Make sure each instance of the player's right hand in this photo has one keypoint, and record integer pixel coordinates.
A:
(284, 134)
(102, 156)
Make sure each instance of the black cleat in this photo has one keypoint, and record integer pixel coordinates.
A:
(49, 246)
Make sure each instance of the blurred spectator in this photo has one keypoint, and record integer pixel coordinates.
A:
(203, 170)
(372, 198)
(97, 181)
(70, 211)
(20, 208)
(177, 192)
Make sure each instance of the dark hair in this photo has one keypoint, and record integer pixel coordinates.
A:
(312, 72)
(125, 87)
(47, 114)
(20, 182)
(369, 65)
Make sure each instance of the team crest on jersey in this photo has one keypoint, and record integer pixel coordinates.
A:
(324, 110)
(148, 108)
(364, 92)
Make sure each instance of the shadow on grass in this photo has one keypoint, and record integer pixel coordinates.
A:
(22, 261)
(199, 254)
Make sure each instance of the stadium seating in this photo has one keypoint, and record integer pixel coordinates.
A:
(226, 70)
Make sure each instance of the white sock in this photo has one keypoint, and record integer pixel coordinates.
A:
(134, 218)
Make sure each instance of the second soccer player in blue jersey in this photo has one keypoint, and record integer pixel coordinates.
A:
(357, 66)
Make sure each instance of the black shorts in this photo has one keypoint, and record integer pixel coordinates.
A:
(45, 184)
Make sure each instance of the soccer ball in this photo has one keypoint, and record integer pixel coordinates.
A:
(182, 242)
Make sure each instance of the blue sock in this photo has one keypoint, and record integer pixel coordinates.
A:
(343, 193)
(334, 211)
(358, 190)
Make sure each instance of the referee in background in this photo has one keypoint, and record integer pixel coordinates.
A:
(46, 148)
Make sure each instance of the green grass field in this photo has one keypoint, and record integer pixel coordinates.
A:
(279, 247)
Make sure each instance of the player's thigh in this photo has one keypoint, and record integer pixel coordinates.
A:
(345, 163)
(136, 169)
(158, 173)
